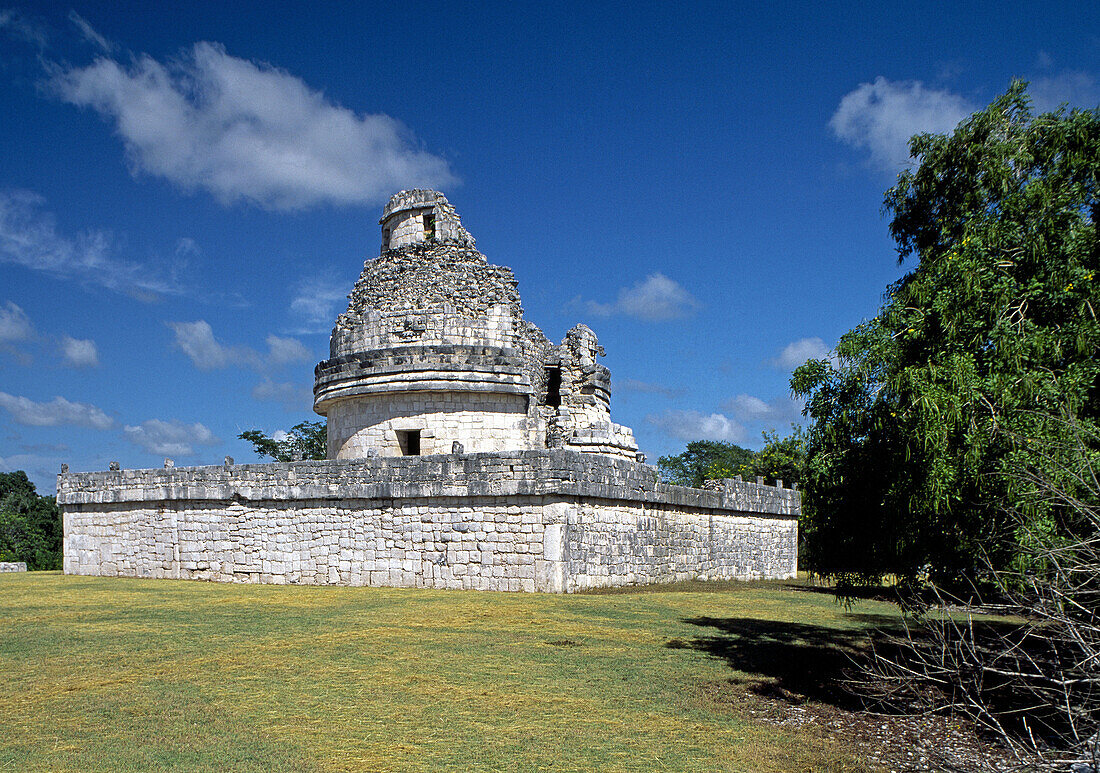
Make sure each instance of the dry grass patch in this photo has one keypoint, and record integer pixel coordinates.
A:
(118, 674)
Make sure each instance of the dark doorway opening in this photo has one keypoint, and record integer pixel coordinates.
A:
(409, 441)
(553, 387)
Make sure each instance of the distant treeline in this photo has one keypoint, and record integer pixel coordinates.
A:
(30, 525)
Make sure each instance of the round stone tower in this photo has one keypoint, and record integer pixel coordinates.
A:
(433, 349)
(433, 354)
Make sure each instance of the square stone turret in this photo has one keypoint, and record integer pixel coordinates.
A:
(433, 350)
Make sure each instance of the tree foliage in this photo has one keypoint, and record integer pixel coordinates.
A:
(307, 440)
(781, 458)
(994, 331)
(30, 525)
(703, 460)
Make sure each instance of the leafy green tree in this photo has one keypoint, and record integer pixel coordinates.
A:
(307, 440)
(30, 525)
(992, 334)
(705, 459)
(781, 458)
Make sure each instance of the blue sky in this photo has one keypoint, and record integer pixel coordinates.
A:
(188, 192)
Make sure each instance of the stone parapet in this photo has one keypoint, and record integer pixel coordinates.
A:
(514, 473)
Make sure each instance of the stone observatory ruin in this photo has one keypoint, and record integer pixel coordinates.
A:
(433, 350)
(465, 450)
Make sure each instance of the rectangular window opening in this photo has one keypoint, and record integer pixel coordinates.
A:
(409, 441)
(553, 387)
(429, 226)
(385, 238)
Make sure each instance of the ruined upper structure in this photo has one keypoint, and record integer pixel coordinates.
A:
(433, 355)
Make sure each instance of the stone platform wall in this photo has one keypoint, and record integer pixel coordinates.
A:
(522, 521)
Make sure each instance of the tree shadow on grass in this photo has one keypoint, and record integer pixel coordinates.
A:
(788, 660)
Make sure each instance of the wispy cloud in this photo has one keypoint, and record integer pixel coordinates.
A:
(654, 299)
(197, 341)
(169, 437)
(644, 387)
(29, 237)
(1072, 88)
(316, 303)
(797, 352)
(750, 409)
(79, 352)
(282, 350)
(292, 396)
(19, 26)
(89, 33)
(38, 467)
(58, 412)
(881, 117)
(248, 131)
(693, 425)
(15, 325)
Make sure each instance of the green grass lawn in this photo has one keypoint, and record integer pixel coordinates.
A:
(103, 674)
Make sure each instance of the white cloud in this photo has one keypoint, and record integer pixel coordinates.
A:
(780, 411)
(692, 425)
(79, 352)
(15, 325)
(89, 33)
(317, 302)
(654, 299)
(169, 437)
(197, 341)
(883, 115)
(1077, 89)
(248, 131)
(797, 352)
(290, 395)
(55, 413)
(29, 238)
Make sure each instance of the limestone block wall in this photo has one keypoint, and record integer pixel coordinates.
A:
(479, 421)
(617, 543)
(525, 521)
(440, 542)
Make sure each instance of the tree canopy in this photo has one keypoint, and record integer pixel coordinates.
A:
(30, 525)
(307, 440)
(988, 337)
(705, 459)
